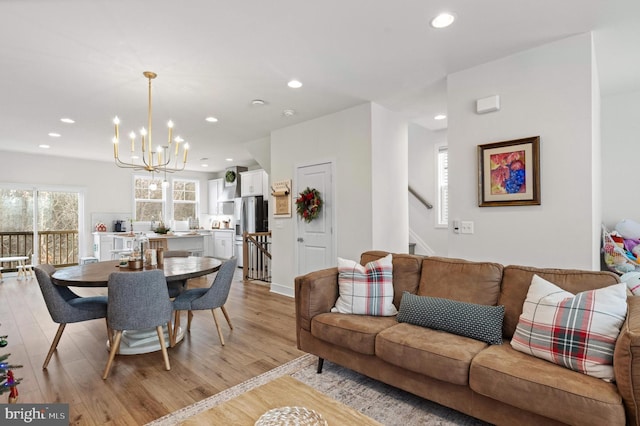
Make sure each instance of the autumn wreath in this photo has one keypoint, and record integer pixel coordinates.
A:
(308, 204)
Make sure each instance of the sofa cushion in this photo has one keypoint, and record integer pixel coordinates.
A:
(516, 281)
(355, 332)
(575, 331)
(365, 290)
(434, 353)
(406, 271)
(535, 385)
(462, 280)
(480, 322)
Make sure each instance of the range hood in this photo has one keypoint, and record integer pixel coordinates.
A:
(231, 183)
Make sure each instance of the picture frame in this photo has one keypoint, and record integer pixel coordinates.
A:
(281, 193)
(509, 173)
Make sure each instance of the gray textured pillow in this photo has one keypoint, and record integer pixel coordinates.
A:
(480, 322)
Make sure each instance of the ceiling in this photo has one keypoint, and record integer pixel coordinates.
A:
(83, 59)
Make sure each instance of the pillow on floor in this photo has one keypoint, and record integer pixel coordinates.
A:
(365, 290)
(575, 331)
(480, 322)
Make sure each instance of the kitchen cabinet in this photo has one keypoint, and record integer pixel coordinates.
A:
(254, 182)
(223, 244)
(215, 189)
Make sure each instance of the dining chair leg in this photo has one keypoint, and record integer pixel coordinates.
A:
(112, 354)
(176, 325)
(189, 318)
(163, 348)
(213, 312)
(54, 345)
(226, 315)
(171, 332)
(109, 334)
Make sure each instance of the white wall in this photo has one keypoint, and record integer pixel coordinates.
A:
(546, 91)
(343, 137)
(108, 189)
(620, 157)
(389, 199)
(423, 178)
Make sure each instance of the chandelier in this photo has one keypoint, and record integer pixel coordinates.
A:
(162, 159)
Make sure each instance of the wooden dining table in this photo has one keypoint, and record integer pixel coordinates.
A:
(97, 275)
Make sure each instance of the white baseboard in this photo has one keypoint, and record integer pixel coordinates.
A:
(283, 290)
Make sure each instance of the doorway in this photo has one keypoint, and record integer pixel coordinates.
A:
(315, 240)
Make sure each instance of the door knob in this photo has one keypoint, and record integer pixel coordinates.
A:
(300, 240)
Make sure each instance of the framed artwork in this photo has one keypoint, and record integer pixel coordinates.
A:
(509, 173)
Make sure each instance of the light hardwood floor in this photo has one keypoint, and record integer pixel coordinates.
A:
(139, 389)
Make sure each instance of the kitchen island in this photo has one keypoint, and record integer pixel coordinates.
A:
(108, 245)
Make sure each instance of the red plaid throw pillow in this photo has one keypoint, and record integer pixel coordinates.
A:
(575, 331)
(365, 290)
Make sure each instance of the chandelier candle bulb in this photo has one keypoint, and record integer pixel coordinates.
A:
(116, 121)
(132, 135)
(170, 125)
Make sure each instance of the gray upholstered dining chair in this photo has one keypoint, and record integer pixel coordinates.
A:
(207, 298)
(138, 301)
(65, 306)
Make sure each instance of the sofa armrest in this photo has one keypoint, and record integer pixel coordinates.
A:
(626, 361)
(316, 293)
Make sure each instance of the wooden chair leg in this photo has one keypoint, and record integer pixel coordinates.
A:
(171, 332)
(189, 318)
(54, 345)
(213, 311)
(176, 324)
(109, 334)
(112, 354)
(226, 315)
(163, 348)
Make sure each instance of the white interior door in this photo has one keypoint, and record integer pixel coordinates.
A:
(315, 239)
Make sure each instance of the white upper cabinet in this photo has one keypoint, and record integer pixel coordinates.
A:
(215, 189)
(254, 182)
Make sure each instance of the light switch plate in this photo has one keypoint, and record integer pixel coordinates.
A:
(466, 227)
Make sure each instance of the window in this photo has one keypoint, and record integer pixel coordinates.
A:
(443, 186)
(149, 199)
(185, 199)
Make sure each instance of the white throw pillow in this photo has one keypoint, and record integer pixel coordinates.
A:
(365, 290)
(575, 331)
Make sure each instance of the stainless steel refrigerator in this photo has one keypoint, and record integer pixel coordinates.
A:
(251, 215)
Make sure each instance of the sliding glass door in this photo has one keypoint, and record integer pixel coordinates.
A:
(40, 222)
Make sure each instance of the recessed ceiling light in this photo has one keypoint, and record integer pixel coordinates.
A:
(257, 102)
(440, 117)
(288, 112)
(67, 120)
(228, 159)
(44, 146)
(211, 119)
(54, 135)
(204, 165)
(443, 20)
(294, 84)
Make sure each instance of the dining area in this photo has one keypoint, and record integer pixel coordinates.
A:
(142, 307)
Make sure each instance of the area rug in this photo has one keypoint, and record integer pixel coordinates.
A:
(383, 403)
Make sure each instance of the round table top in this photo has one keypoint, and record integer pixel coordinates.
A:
(97, 274)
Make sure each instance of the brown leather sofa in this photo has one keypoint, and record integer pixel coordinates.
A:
(494, 383)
